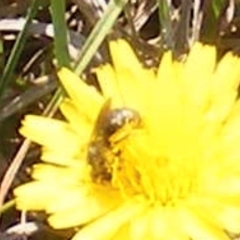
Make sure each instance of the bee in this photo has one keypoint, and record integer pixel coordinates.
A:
(112, 126)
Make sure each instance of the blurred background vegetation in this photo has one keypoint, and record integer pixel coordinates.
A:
(37, 37)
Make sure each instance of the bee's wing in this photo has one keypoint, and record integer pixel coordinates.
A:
(98, 130)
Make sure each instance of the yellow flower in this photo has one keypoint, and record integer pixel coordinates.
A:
(173, 174)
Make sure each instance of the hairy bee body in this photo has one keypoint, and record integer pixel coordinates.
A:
(110, 129)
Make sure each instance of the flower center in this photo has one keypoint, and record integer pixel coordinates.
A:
(164, 180)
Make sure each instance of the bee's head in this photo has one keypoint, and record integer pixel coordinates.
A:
(118, 118)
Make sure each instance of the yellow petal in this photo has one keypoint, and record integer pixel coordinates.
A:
(77, 119)
(36, 195)
(84, 96)
(199, 227)
(106, 227)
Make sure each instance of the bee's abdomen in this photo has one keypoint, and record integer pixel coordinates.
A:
(98, 161)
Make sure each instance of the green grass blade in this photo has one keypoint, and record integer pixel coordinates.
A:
(60, 32)
(212, 11)
(98, 34)
(17, 48)
(164, 13)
